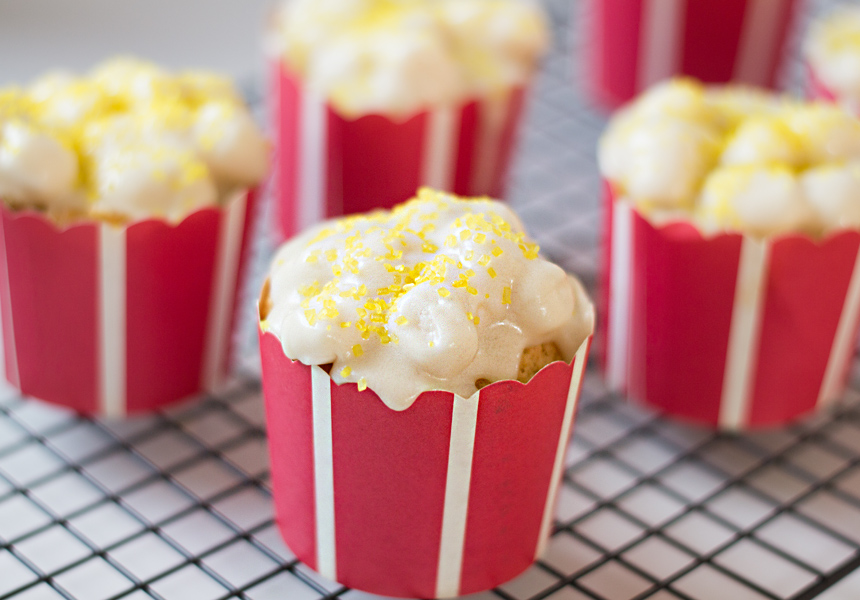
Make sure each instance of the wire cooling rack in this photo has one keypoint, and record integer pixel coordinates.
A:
(176, 506)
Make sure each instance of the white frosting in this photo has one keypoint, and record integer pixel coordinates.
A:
(730, 158)
(150, 181)
(761, 201)
(129, 141)
(231, 144)
(833, 51)
(436, 294)
(832, 194)
(398, 57)
(762, 140)
(35, 167)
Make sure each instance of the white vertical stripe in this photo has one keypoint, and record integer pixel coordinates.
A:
(323, 473)
(311, 175)
(224, 284)
(492, 114)
(660, 42)
(758, 42)
(13, 376)
(437, 170)
(463, 428)
(112, 284)
(558, 465)
(620, 288)
(742, 353)
(843, 341)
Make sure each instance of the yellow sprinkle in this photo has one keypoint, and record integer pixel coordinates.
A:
(480, 238)
(311, 316)
(345, 371)
(357, 350)
(444, 293)
(484, 260)
(346, 324)
(331, 255)
(497, 251)
(401, 320)
(491, 272)
(311, 259)
(472, 290)
(450, 241)
(477, 320)
(362, 384)
(431, 344)
(465, 235)
(506, 295)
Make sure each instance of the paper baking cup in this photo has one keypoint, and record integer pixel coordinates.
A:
(328, 165)
(633, 44)
(450, 496)
(730, 331)
(110, 320)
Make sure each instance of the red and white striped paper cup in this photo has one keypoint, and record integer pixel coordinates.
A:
(112, 320)
(730, 331)
(329, 165)
(633, 44)
(450, 496)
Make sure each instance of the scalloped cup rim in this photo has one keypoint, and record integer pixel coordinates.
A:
(679, 223)
(88, 221)
(535, 379)
(264, 294)
(395, 117)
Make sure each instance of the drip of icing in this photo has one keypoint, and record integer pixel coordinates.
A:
(436, 294)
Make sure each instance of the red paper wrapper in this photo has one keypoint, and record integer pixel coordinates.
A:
(633, 44)
(729, 331)
(450, 496)
(110, 320)
(328, 165)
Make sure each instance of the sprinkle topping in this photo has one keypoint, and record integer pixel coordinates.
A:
(389, 314)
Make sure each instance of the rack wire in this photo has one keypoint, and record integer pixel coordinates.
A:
(176, 505)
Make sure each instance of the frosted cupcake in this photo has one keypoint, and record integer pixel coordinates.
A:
(124, 197)
(407, 355)
(731, 243)
(832, 52)
(373, 98)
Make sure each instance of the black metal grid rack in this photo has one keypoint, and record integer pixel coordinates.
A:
(176, 506)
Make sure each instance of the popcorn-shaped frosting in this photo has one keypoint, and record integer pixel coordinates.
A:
(128, 141)
(437, 293)
(732, 158)
(833, 51)
(400, 56)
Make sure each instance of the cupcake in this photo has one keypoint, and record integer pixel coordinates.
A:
(832, 53)
(374, 98)
(731, 274)
(125, 197)
(421, 368)
(633, 44)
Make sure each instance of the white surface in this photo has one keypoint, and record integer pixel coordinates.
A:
(37, 35)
